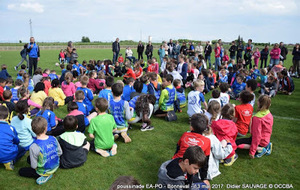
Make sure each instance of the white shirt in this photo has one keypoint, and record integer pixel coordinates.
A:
(175, 75)
(196, 73)
(194, 102)
(215, 99)
(253, 101)
(224, 97)
(129, 52)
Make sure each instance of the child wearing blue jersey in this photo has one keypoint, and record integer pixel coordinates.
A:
(106, 93)
(181, 99)
(121, 112)
(53, 75)
(79, 97)
(14, 91)
(54, 126)
(44, 154)
(9, 141)
(154, 88)
(144, 80)
(238, 87)
(88, 94)
(195, 98)
(128, 89)
(167, 98)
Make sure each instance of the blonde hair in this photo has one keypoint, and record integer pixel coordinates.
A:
(198, 83)
(121, 82)
(264, 103)
(26, 79)
(214, 108)
(68, 77)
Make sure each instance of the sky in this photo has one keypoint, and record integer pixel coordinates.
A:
(104, 20)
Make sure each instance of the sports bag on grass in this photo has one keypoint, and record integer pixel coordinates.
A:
(171, 116)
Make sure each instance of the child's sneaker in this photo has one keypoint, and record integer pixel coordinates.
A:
(43, 179)
(269, 149)
(9, 166)
(16, 68)
(261, 153)
(147, 128)
(126, 138)
(230, 161)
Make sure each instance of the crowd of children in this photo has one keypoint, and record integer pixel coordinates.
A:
(28, 121)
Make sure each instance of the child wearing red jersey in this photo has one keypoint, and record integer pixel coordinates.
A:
(225, 129)
(261, 130)
(199, 124)
(243, 113)
(129, 72)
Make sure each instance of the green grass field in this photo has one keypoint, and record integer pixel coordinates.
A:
(148, 150)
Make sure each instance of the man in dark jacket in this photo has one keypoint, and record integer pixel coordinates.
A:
(140, 50)
(171, 48)
(149, 51)
(207, 52)
(116, 50)
(33, 51)
(232, 50)
(240, 49)
(284, 52)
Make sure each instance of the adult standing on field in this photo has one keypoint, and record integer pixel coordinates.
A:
(207, 52)
(171, 46)
(140, 50)
(149, 50)
(34, 55)
(284, 52)
(69, 51)
(116, 50)
(296, 60)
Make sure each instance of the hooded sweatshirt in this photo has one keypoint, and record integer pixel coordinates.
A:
(226, 129)
(170, 173)
(261, 130)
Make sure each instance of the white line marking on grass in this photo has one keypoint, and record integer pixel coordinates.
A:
(286, 118)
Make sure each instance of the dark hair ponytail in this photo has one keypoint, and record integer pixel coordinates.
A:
(21, 108)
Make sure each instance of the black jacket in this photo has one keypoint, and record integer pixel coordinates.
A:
(284, 52)
(232, 50)
(73, 156)
(140, 48)
(149, 50)
(116, 47)
(296, 54)
(207, 50)
(264, 54)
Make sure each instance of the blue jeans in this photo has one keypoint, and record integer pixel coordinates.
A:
(217, 63)
(131, 59)
(232, 57)
(207, 57)
(273, 62)
(68, 59)
(115, 57)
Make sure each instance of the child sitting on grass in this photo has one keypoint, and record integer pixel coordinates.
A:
(2, 85)
(224, 97)
(251, 86)
(216, 96)
(182, 171)
(56, 93)
(154, 88)
(79, 97)
(121, 112)
(74, 151)
(101, 80)
(88, 94)
(44, 154)
(52, 121)
(7, 95)
(93, 84)
(9, 142)
(199, 123)
(261, 130)
(243, 113)
(68, 87)
(195, 98)
(128, 89)
(14, 91)
(181, 99)
(237, 87)
(106, 92)
(167, 97)
(23, 93)
(101, 130)
(225, 129)
(270, 87)
(213, 111)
